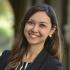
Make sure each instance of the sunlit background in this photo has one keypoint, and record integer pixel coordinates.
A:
(6, 25)
(12, 11)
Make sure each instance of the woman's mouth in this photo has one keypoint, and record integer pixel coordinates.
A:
(34, 35)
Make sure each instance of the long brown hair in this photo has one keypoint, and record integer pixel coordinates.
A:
(20, 43)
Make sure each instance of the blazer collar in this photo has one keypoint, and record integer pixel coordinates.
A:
(39, 60)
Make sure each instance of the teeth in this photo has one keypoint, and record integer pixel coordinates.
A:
(33, 36)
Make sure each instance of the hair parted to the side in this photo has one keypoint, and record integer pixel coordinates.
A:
(20, 43)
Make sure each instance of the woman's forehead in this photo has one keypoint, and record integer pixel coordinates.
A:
(40, 16)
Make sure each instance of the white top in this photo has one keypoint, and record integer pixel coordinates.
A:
(22, 66)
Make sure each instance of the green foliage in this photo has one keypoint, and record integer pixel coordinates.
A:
(6, 23)
(3, 32)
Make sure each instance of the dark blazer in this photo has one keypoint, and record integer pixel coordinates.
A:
(43, 62)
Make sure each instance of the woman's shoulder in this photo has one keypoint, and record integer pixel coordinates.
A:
(54, 60)
(53, 64)
(5, 54)
(4, 58)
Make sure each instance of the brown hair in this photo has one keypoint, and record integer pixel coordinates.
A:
(20, 42)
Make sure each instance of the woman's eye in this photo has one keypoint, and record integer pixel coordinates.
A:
(30, 22)
(42, 25)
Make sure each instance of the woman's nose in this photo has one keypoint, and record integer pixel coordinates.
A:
(35, 28)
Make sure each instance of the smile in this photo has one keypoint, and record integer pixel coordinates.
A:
(33, 35)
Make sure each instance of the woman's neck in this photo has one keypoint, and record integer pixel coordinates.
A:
(33, 51)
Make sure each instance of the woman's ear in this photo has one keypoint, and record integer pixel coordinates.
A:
(52, 31)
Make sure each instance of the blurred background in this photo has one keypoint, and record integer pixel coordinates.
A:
(12, 11)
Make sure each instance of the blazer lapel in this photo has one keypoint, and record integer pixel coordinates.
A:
(36, 65)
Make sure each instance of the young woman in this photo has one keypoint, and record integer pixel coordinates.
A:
(36, 43)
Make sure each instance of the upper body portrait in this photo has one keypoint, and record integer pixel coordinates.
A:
(37, 42)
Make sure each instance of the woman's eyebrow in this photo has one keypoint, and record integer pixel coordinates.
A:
(30, 20)
(42, 22)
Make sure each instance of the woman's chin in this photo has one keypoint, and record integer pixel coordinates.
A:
(34, 42)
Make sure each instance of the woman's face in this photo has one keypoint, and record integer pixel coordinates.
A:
(37, 28)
